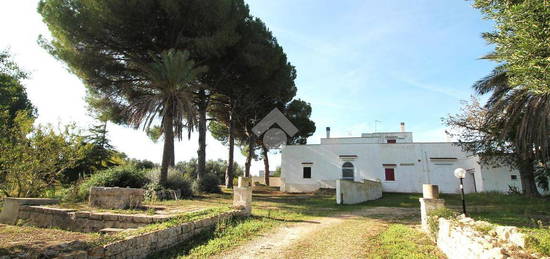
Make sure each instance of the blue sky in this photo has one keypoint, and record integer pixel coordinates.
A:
(392, 61)
(357, 62)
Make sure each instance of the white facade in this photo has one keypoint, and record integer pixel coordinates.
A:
(379, 156)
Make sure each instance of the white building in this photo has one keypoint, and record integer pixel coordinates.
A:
(391, 157)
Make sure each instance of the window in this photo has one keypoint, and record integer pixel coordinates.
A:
(307, 172)
(391, 141)
(347, 170)
(390, 174)
(514, 177)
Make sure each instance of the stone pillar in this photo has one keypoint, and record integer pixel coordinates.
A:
(245, 182)
(242, 199)
(242, 195)
(430, 191)
(429, 202)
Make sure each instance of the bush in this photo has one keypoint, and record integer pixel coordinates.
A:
(120, 176)
(209, 183)
(176, 180)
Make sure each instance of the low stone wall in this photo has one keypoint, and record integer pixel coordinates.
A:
(350, 192)
(465, 238)
(273, 181)
(116, 198)
(142, 245)
(12, 206)
(146, 244)
(83, 221)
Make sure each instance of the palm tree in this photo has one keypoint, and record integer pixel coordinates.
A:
(523, 117)
(167, 96)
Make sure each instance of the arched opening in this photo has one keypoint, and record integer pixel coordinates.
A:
(348, 171)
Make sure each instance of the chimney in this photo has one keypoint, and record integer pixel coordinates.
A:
(328, 132)
(402, 127)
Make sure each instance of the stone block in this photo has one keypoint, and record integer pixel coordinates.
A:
(242, 199)
(10, 211)
(518, 239)
(426, 206)
(116, 248)
(97, 252)
(245, 182)
(109, 217)
(186, 227)
(142, 219)
(74, 255)
(115, 197)
(125, 218)
(430, 191)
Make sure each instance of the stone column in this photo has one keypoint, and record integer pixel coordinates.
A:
(245, 182)
(242, 195)
(429, 202)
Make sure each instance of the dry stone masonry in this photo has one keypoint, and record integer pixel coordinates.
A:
(116, 198)
(141, 245)
(466, 238)
(12, 207)
(84, 221)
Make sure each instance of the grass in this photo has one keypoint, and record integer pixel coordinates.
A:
(17, 239)
(271, 209)
(531, 215)
(400, 241)
(226, 235)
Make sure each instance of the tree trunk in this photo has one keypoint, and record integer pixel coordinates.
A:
(251, 141)
(172, 158)
(265, 152)
(527, 174)
(201, 153)
(229, 170)
(168, 151)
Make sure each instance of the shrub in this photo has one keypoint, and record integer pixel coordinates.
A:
(120, 176)
(208, 183)
(176, 180)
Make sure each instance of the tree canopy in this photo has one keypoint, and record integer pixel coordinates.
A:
(522, 40)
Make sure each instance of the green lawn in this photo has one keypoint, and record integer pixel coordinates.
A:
(531, 215)
(271, 209)
(400, 241)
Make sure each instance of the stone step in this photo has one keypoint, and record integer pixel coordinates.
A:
(114, 230)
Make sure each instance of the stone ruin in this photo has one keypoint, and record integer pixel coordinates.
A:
(464, 237)
(116, 197)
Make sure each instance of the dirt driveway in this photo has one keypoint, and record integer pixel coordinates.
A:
(340, 236)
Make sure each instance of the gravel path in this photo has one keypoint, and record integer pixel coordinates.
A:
(278, 243)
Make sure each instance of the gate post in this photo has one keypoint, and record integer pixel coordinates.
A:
(428, 203)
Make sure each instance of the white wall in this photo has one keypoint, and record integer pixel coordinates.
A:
(413, 166)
